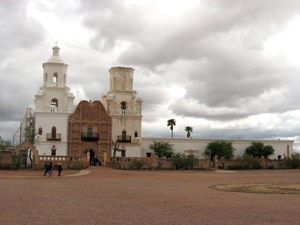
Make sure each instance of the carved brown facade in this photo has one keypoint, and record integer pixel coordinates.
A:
(90, 131)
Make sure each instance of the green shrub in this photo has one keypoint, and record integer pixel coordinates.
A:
(235, 167)
(271, 167)
(293, 162)
(250, 162)
(76, 165)
(17, 160)
(6, 166)
(182, 161)
(136, 164)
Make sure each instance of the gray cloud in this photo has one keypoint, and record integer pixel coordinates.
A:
(214, 50)
(19, 33)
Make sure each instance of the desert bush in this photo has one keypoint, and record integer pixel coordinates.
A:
(182, 161)
(293, 162)
(136, 164)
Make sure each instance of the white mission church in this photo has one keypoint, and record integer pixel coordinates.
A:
(66, 129)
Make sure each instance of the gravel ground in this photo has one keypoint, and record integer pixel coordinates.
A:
(106, 196)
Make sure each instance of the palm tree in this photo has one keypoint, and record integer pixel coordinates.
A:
(171, 123)
(189, 130)
(258, 150)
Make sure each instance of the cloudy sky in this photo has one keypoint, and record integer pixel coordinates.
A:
(228, 68)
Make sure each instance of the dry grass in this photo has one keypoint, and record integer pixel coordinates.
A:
(273, 188)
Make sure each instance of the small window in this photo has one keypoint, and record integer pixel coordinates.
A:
(90, 132)
(53, 150)
(148, 154)
(54, 102)
(54, 105)
(123, 105)
(123, 153)
(53, 132)
(136, 134)
(124, 135)
(40, 132)
(55, 79)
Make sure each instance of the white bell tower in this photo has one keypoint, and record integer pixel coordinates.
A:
(53, 104)
(125, 107)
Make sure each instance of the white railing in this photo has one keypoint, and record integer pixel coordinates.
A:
(54, 109)
(122, 112)
(53, 158)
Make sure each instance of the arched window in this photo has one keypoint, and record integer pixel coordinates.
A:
(53, 132)
(40, 132)
(124, 135)
(55, 79)
(123, 105)
(136, 134)
(54, 105)
(53, 150)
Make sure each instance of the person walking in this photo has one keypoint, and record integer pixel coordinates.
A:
(47, 168)
(50, 169)
(59, 169)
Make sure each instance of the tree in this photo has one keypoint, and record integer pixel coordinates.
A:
(17, 160)
(189, 130)
(171, 124)
(30, 134)
(162, 149)
(116, 148)
(219, 148)
(258, 150)
(4, 144)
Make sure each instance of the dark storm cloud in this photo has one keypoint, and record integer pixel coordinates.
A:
(229, 76)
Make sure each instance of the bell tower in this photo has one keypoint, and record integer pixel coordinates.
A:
(125, 107)
(53, 104)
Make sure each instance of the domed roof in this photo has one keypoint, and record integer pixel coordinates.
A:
(55, 57)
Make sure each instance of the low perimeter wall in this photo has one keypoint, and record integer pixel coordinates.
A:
(153, 163)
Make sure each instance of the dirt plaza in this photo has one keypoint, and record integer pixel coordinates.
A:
(104, 196)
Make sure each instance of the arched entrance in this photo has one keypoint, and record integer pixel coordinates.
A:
(90, 156)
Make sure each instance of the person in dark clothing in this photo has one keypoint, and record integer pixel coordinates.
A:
(96, 161)
(47, 168)
(50, 169)
(59, 169)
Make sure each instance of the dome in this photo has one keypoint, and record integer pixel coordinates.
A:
(55, 59)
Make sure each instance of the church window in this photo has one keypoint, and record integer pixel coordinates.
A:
(53, 150)
(123, 135)
(55, 79)
(123, 153)
(54, 105)
(90, 132)
(136, 134)
(53, 132)
(123, 105)
(40, 132)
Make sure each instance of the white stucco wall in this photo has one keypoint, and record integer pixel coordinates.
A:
(46, 121)
(131, 151)
(197, 146)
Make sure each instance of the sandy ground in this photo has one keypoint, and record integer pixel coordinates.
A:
(105, 196)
